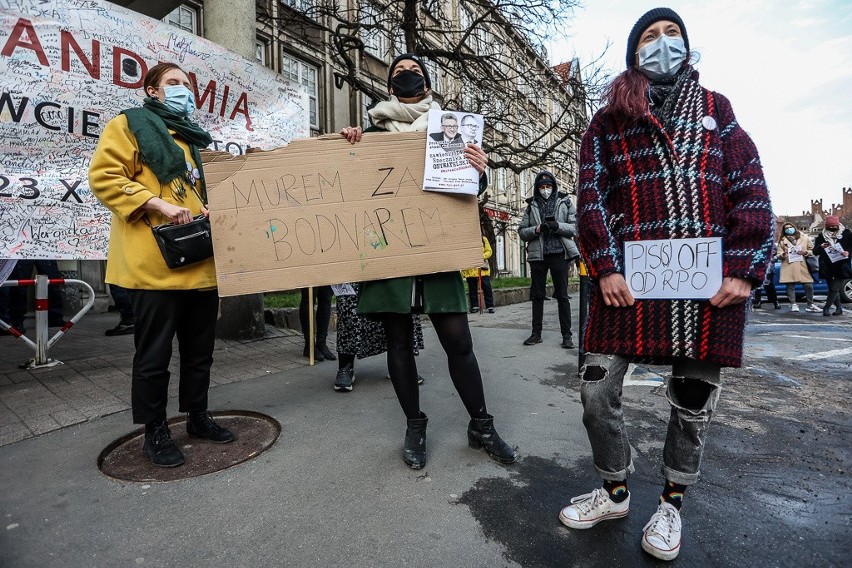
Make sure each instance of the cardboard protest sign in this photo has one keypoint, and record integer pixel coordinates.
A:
(323, 211)
(673, 269)
(446, 167)
(67, 68)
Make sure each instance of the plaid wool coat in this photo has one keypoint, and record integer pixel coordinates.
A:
(697, 176)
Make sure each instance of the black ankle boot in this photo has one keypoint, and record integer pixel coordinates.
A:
(159, 446)
(306, 352)
(481, 434)
(201, 425)
(326, 353)
(414, 453)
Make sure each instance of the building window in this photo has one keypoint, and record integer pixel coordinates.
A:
(367, 102)
(306, 75)
(501, 181)
(465, 19)
(299, 5)
(433, 7)
(524, 185)
(261, 51)
(435, 76)
(376, 40)
(184, 17)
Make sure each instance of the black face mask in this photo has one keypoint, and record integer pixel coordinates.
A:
(408, 84)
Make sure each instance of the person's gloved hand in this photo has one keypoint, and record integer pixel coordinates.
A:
(553, 226)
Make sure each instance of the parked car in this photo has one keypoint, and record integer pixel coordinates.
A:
(820, 287)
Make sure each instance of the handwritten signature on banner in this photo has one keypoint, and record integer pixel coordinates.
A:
(66, 69)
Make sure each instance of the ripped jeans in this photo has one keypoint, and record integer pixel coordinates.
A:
(693, 393)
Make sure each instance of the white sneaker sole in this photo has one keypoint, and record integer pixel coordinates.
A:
(659, 552)
(575, 524)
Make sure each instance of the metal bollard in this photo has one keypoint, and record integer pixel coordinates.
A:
(42, 344)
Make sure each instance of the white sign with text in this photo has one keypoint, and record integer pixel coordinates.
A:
(673, 269)
(66, 68)
(447, 169)
(835, 253)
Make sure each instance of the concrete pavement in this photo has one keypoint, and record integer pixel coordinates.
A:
(333, 491)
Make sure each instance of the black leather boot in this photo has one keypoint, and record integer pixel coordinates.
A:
(323, 350)
(159, 446)
(481, 434)
(414, 453)
(201, 425)
(306, 352)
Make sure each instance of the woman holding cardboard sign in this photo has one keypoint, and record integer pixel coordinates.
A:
(147, 171)
(439, 295)
(664, 159)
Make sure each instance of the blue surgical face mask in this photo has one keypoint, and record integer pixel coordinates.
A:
(179, 99)
(789, 231)
(663, 57)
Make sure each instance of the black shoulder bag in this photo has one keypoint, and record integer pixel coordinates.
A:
(182, 245)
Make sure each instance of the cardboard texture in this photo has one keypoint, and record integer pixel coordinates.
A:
(322, 211)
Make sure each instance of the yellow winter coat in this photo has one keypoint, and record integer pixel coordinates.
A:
(121, 182)
(486, 254)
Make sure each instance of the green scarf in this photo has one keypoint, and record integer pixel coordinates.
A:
(158, 149)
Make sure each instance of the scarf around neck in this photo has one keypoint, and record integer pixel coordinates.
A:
(394, 116)
(150, 126)
(832, 239)
(663, 94)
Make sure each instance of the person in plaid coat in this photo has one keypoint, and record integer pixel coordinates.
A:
(664, 159)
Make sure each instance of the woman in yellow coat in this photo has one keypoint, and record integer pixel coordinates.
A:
(472, 275)
(147, 171)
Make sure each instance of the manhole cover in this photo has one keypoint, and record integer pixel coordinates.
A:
(123, 459)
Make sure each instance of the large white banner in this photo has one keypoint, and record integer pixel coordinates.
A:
(67, 68)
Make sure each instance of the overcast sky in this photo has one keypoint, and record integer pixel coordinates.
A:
(785, 65)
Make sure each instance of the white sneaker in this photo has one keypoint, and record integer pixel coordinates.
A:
(585, 511)
(662, 533)
(812, 308)
(794, 308)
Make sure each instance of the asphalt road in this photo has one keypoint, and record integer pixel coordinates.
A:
(333, 491)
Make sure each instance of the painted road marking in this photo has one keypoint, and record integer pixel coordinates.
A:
(761, 324)
(638, 377)
(824, 354)
(814, 337)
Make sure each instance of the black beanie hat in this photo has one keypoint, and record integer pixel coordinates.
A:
(646, 20)
(544, 177)
(414, 58)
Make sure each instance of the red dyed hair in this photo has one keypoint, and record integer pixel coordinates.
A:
(627, 96)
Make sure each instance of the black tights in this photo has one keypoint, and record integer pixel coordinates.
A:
(344, 359)
(454, 335)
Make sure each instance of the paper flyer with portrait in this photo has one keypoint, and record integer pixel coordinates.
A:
(447, 169)
(835, 253)
(794, 254)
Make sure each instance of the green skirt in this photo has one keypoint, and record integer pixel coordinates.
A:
(443, 293)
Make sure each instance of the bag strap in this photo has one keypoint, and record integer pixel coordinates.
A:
(195, 191)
